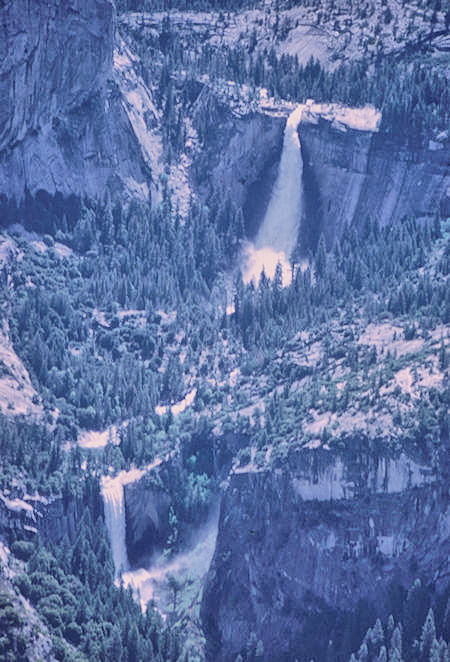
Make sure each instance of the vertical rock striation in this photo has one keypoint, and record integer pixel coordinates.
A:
(349, 175)
(316, 537)
(63, 125)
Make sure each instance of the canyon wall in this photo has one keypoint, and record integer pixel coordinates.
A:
(240, 156)
(350, 175)
(147, 504)
(316, 536)
(52, 518)
(63, 121)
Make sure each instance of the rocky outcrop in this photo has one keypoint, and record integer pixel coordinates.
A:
(64, 125)
(316, 535)
(52, 518)
(147, 506)
(16, 515)
(59, 518)
(350, 175)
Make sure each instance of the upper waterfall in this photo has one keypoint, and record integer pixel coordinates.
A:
(277, 235)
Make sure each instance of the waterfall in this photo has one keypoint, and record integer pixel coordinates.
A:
(113, 499)
(278, 233)
(114, 503)
(151, 583)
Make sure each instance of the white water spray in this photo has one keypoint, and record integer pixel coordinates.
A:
(189, 568)
(277, 236)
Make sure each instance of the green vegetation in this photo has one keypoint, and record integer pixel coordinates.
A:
(103, 346)
(72, 588)
(12, 641)
(98, 348)
(417, 630)
(421, 633)
(411, 92)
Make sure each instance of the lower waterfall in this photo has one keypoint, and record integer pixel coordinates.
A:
(113, 499)
(278, 233)
(112, 489)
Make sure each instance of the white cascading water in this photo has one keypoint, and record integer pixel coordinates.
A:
(191, 565)
(278, 233)
(112, 490)
(113, 499)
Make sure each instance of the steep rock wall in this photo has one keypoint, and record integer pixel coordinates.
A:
(147, 506)
(163, 486)
(350, 175)
(63, 121)
(52, 518)
(240, 156)
(317, 536)
(60, 518)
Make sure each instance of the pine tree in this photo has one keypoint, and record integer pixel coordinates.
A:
(116, 651)
(363, 653)
(321, 257)
(428, 636)
(443, 358)
(377, 636)
(259, 653)
(444, 651)
(396, 642)
(395, 656)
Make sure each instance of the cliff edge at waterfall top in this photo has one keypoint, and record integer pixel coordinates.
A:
(224, 331)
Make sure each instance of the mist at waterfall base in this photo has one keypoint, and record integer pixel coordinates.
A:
(277, 236)
(188, 568)
(151, 583)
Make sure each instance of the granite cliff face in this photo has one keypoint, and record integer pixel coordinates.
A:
(240, 156)
(63, 121)
(350, 175)
(52, 518)
(149, 499)
(318, 535)
(76, 118)
(147, 504)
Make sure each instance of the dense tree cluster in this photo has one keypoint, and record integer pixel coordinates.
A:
(421, 633)
(13, 642)
(30, 450)
(412, 94)
(72, 588)
(99, 368)
(371, 264)
(417, 630)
